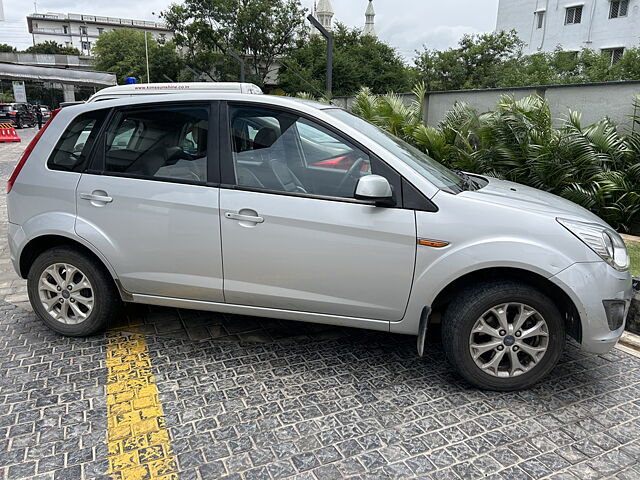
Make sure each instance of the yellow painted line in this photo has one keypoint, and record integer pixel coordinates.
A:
(137, 436)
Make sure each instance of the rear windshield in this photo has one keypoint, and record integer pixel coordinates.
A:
(74, 147)
(5, 108)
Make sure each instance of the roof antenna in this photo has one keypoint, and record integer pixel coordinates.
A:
(35, 6)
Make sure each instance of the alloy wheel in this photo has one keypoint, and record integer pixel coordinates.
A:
(66, 293)
(509, 340)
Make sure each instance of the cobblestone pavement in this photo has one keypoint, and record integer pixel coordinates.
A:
(212, 396)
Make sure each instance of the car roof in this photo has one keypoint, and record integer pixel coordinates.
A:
(275, 100)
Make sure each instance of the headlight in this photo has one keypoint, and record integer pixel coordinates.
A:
(602, 240)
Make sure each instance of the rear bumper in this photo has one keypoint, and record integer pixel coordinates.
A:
(15, 238)
(592, 286)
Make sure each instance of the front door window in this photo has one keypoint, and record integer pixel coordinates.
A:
(281, 151)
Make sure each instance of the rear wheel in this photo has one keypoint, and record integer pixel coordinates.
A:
(503, 335)
(72, 292)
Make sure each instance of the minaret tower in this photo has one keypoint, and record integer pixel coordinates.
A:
(370, 15)
(324, 13)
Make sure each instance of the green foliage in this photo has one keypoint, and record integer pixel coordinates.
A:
(122, 52)
(259, 30)
(595, 166)
(496, 60)
(359, 60)
(51, 47)
(634, 253)
(477, 62)
(5, 48)
(7, 97)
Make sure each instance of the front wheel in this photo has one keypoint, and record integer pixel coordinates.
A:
(503, 335)
(72, 292)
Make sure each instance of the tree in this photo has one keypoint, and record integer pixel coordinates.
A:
(122, 52)
(5, 48)
(496, 60)
(259, 30)
(476, 63)
(359, 60)
(52, 48)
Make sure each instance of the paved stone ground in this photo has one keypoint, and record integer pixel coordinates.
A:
(247, 398)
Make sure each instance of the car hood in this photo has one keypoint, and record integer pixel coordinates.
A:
(519, 196)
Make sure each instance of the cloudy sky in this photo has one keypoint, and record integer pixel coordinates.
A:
(405, 24)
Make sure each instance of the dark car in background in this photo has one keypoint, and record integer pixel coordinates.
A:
(18, 114)
(46, 112)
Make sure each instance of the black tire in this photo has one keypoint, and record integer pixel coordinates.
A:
(462, 314)
(19, 125)
(106, 300)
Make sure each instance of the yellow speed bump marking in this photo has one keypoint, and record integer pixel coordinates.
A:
(138, 440)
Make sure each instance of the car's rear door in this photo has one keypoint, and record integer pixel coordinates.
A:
(149, 202)
(294, 241)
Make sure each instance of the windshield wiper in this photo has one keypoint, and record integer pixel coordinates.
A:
(469, 182)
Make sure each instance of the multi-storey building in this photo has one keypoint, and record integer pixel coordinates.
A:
(609, 26)
(81, 31)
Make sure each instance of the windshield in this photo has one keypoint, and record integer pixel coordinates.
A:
(5, 108)
(426, 166)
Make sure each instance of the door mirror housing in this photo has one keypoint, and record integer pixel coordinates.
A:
(374, 188)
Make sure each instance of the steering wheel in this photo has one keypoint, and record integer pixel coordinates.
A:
(351, 174)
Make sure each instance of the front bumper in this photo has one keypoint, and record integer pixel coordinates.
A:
(588, 285)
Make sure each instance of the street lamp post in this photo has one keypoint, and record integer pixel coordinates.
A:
(146, 53)
(329, 36)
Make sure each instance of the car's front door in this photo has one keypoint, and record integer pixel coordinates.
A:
(151, 204)
(294, 238)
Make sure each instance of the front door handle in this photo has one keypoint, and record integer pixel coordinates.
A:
(94, 197)
(244, 218)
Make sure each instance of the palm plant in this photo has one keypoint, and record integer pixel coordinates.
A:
(595, 166)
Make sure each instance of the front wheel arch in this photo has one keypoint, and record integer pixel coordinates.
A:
(562, 301)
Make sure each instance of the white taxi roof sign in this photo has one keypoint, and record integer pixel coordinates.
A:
(135, 89)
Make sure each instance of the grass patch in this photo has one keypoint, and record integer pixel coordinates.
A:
(634, 251)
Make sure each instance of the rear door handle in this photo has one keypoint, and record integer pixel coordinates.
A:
(96, 198)
(244, 218)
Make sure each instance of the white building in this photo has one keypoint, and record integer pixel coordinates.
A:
(369, 22)
(81, 31)
(608, 26)
(323, 11)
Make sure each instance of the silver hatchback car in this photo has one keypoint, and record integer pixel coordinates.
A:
(276, 207)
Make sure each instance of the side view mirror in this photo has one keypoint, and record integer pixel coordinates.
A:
(374, 188)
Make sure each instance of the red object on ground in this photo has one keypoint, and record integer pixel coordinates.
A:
(8, 133)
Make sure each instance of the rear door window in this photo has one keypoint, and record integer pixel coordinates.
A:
(159, 142)
(72, 151)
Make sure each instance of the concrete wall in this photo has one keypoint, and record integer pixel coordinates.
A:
(439, 103)
(595, 31)
(594, 101)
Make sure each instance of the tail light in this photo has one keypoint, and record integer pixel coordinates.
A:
(28, 151)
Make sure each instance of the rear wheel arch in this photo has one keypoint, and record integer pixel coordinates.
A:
(38, 245)
(561, 300)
